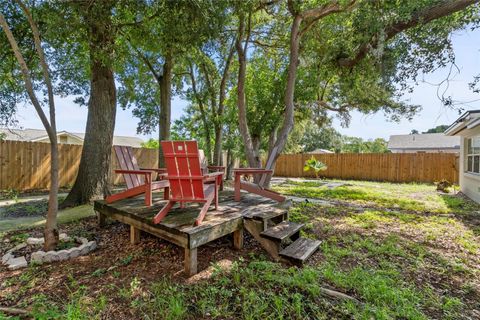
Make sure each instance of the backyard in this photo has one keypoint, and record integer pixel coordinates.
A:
(388, 251)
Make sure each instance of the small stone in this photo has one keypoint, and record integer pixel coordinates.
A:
(84, 249)
(64, 237)
(17, 263)
(37, 256)
(17, 247)
(74, 252)
(92, 245)
(35, 241)
(55, 257)
(82, 240)
(6, 257)
(49, 256)
(63, 255)
(6, 240)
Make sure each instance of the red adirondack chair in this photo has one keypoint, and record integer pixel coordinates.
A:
(188, 182)
(256, 188)
(207, 169)
(138, 181)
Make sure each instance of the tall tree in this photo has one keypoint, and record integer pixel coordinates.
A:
(51, 229)
(160, 46)
(322, 16)
(94, 170)
(209, 71)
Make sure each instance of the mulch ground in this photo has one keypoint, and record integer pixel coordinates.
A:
(112, 266)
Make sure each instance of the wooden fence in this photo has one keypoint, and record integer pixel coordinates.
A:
(392, 167)
(26, 165)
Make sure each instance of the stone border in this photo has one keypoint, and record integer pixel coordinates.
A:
(41, 256)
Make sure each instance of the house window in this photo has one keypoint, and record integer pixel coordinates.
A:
(473, 155)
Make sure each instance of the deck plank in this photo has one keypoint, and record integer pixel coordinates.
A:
(178, 226)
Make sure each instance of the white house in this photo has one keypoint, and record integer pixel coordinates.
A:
(467, 127)
(40, 135)
(422, 143)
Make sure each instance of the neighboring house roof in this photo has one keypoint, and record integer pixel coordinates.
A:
(464, 124)
(321, 151)
(423, 141)
(39, 134)
(59, 134)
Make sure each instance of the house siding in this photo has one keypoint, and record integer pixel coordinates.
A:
(469, 182)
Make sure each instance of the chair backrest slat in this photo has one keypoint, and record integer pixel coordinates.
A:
(127, 161)
(184, 171)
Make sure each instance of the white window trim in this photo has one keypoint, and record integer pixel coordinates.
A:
(467, 155)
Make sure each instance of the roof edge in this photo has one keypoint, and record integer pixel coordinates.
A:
(459, 124)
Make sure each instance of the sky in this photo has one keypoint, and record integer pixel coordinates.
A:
(466, 44)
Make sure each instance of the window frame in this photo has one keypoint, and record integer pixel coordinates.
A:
(471, 156)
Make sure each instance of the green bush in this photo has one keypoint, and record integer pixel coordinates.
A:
(314, 165)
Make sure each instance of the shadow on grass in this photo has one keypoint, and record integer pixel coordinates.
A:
(64, 216)
(465, 210)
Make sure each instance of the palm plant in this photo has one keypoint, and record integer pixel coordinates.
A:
(314, 165)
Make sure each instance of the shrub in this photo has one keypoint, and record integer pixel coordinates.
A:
(444, 185)
(314, 165)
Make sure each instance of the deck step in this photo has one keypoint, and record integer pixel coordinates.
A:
(282, 231)
(300, 250)
(263, 213)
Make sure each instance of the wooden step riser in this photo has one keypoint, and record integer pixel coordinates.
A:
(283, 231)
(255, 228)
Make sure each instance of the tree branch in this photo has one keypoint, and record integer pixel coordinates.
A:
(52, 131)
(25, 72)
(423, 16)
(313, 15)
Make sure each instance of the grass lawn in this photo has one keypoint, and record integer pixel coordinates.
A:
(403, 251)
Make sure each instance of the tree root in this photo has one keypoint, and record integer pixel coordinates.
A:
(15, 311)
(338, 295)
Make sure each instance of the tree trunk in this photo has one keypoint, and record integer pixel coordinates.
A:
(218, 148)
(94, 170)
(51, 229)
(289, 97)
(272, 138)
(203, 115)
(229, 164)
(252, 157)
(165, 105)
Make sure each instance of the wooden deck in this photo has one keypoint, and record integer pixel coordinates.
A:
(178, 226)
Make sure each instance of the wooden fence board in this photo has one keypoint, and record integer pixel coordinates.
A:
(392, 167)
(26, 165)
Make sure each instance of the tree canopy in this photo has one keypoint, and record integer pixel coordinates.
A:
(260, 78)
